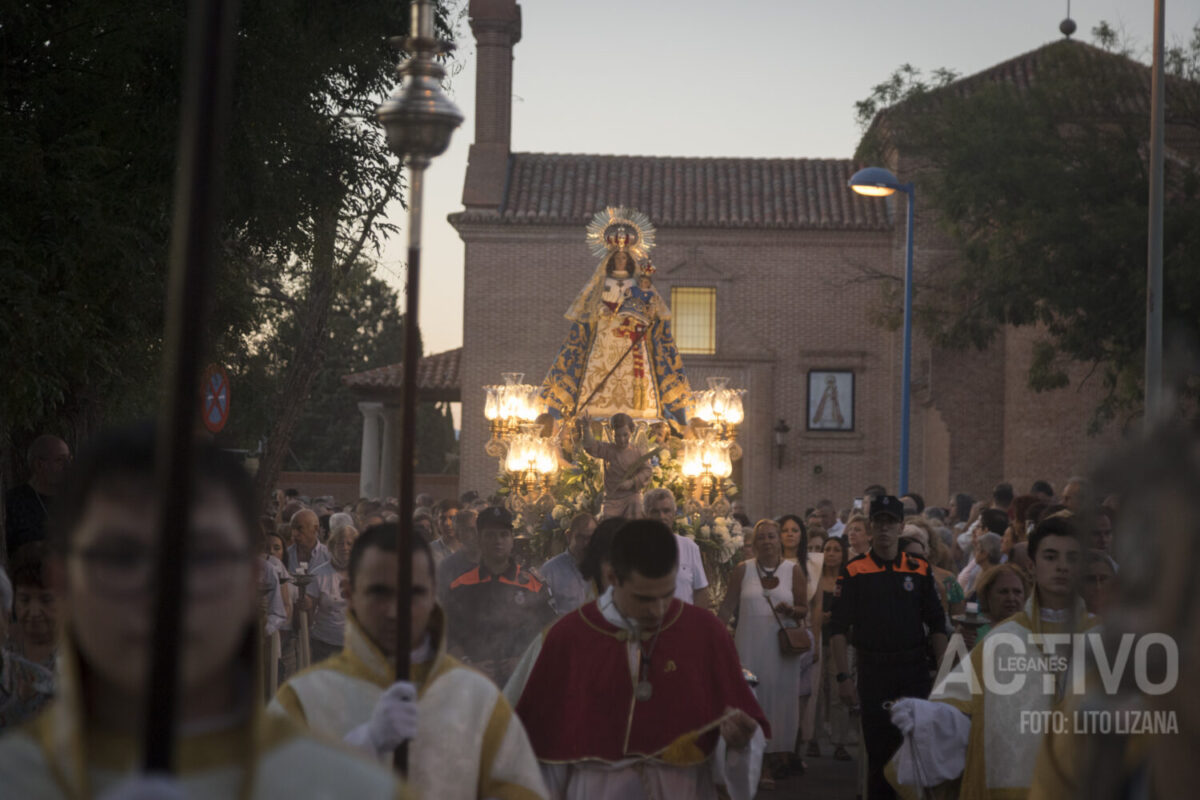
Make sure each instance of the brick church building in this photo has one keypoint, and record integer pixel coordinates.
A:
(758, 258)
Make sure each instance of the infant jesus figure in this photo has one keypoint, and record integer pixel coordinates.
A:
(627, 469)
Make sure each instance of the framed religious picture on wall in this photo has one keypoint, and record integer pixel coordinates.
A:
(830, 400)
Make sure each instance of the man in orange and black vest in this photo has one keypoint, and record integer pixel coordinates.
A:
(496, 609)
(888, 605)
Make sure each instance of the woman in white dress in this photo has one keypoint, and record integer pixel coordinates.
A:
(794, 539)
(754, 587)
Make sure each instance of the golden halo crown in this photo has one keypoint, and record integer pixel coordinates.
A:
(603, 232)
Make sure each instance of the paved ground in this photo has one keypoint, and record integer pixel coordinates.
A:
(826, 778)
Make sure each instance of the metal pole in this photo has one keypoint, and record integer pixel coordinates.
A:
(419, 121)
(408, 428)
(203, 127)
(1154, 277)
(906, 369)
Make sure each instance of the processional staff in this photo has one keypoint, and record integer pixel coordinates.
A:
(419, 120)
(203, 133)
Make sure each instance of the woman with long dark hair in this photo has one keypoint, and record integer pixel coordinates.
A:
(829, 704)
(794, 537)
(767, 593)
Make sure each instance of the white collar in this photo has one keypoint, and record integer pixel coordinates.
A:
(609, 609)
(423, 652)
(1055, 615)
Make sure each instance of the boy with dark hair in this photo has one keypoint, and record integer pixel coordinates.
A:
(105, 538)
(995, 709)
(446, 510)
(465, 741)
(638, 694)
(993, 520)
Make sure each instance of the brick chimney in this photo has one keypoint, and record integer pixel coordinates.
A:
(497, 27)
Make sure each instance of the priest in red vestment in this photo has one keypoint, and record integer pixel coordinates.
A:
(638, 695)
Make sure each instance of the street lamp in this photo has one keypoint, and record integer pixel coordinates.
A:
(419, 120)
(879, 182)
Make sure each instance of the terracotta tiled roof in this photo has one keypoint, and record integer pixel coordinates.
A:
(1023, 72)
(786, 193)
(1130, 78)
(437, 378)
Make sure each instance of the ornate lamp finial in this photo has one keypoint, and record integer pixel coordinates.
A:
(1067, 26)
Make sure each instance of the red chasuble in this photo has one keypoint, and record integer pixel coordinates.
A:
(578, 703)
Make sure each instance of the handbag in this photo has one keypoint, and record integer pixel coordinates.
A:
(792, 641)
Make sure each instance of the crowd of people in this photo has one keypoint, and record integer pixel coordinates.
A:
(607, 670)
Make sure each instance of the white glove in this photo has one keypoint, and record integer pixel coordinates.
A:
(904, 715)
(145, 787)
(393, 721)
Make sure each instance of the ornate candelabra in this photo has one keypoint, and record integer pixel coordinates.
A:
(707, 463)
(509, 407)
(532, 463)
(722, 409)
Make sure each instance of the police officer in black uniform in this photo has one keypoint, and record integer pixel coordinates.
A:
(888, 605)
(496, 609)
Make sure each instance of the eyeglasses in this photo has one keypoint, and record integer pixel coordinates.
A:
(129, 569)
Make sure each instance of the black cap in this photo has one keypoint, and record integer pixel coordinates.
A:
(887, 505)
(494, 517)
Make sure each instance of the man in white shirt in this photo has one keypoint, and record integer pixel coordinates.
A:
(568, 587)
(691, 584)
(833, 525)
(306, 548)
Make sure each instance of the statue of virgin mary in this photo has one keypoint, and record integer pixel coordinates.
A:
(619, 355)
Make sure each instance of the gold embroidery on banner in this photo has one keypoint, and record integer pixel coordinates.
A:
(624, 390)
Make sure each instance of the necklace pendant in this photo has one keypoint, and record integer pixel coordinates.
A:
(769, 582)
(643, 691)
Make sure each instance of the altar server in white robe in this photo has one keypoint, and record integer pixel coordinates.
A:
(1012, 674)
(86, 743)
(466, 742)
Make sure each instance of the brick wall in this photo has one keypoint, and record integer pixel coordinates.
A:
(787, 301)
(1046, 433)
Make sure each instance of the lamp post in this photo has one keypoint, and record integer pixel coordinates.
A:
(1153, 405)
(419, 120)
(879, 182)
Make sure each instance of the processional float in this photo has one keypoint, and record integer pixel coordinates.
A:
(619, 356)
